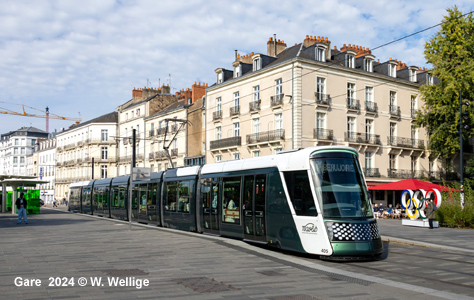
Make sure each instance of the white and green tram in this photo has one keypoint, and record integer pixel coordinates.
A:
(311, 200)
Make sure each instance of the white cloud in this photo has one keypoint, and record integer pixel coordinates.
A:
(88, 55)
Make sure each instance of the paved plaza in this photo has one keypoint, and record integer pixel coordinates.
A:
(62, 251)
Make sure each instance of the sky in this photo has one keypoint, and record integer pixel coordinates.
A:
(82, 59)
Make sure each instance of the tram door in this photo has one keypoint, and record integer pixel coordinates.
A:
(152, 207)
(142, 203)
(254, 208)
(210, 197)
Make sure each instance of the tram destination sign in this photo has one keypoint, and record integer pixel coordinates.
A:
(141, 174)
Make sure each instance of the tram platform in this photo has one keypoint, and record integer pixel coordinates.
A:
(59, 249)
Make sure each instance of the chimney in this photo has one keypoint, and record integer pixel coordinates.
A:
(275, 47)
(165, 89)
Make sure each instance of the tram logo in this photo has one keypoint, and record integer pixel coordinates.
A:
(418, 200)
(310, 228)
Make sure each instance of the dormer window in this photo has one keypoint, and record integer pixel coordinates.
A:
(392, 70)
(368, 65)
(220, 77)
(429, 79)
(350, 61)
(412, 75)
(237, 71)
(320, 53)
(257, 64)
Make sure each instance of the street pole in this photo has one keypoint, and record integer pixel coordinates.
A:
(460, 149)
(130, 187)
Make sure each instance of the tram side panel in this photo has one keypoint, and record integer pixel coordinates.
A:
(118, 201)
(179, 205)
(74, 203)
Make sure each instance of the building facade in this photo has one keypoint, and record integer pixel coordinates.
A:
(86, 151)
(16, 146)
(311, 94)
(42, 165)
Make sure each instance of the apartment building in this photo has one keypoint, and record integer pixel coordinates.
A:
(15, 147)
(86, 151)
(42, 165)
(178, 128)
(312, 94)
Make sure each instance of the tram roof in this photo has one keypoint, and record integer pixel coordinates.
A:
(292, 160)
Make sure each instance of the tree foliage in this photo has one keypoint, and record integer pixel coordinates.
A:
(451, 53)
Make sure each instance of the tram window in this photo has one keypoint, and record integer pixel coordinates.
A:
(231, 200)
(184, 189)
(169, 200)
(300, 193)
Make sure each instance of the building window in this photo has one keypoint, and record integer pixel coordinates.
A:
(104, 135)
(236, 156)
(103, 172)
(236, 100)
(350, 61)
(393, 98)
(256, 125)
(368, 65)
(320, 88)
(237, 71)
(15, 150)
(393, 131)
(369, 128)
(412, 75)
(218, 132)
(137, 112)
(392, 70)
(218, 158)
(219, 104)
(126, 116)
(22, 160)
(369, 94)
(279, 121)
(220, 77)
(429, 79)
(351, 125)
(320, 122)
(257, 64)
(103, 153)
(237, 129)
(351, 93)
(256, 93)
(278, 88)
(15, 160)
(369, 160)
(256, 153)
(320, 54)
(392, 162)
(23, 151)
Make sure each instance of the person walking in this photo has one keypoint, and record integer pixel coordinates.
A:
(430, 213)
(55, 203)
(21, 205)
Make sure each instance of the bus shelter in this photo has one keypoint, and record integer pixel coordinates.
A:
(15, 181)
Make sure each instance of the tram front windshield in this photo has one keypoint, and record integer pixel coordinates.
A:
(340, 188)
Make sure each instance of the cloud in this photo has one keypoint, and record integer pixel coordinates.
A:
(86, 56)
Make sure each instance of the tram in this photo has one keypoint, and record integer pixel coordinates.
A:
(311, 200)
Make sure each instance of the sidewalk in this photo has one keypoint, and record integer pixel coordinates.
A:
(445, 238)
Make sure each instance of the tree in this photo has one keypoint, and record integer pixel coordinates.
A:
(451, 53)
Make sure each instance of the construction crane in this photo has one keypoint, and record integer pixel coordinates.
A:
(47, 115)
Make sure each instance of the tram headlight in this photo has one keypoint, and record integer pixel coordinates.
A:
(329, 229)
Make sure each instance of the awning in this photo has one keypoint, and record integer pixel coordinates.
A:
(409, 184)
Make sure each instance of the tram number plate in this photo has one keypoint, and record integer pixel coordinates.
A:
(324, 251)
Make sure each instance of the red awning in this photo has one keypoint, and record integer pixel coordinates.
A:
(409, 184)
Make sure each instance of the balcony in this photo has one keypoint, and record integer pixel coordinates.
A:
(217, 115)
(125, 158)
(362, 138)
(235, 110)
(371, 107)
(277, 100)
(160, 155)
(80, 143)
(371, 172)
(323, 134)
(266, 136)
(322, 100)
(394, 111)
(405, 174)
(69, 146)
(151, 156)
(226, 143)
(353, 104)
(405, 142)
(254, 106)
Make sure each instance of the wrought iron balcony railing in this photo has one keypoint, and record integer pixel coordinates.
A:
(363, 138)
(405, 142)
(395, 110)
(254, 105)
(217, 115)
(277, 100)
(371, 172)
(353, 104)
(266, 136)
(371, 107)
(226, 143)
(323, 99)
(323, 134)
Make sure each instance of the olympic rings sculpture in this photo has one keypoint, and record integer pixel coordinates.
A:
(417, 202)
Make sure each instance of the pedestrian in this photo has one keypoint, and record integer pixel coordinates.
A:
(430, 213)
(55, 203)
(21, 205)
